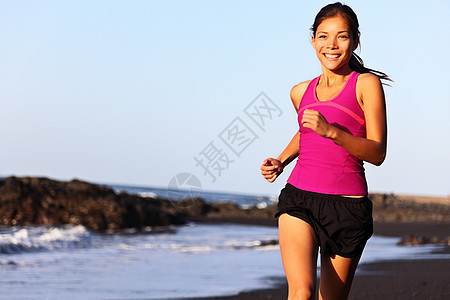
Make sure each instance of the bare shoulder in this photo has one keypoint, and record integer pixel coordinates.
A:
(369, 88)
(368, 81)
(297, 93)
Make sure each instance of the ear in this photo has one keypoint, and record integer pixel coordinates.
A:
(355, 44)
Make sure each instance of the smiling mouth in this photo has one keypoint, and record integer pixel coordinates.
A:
(332, 56)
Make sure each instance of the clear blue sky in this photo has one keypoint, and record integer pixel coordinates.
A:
(131, 91)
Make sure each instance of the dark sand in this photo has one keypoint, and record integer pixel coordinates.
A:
(398, 279)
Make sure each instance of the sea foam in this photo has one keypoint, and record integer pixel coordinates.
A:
(23, 239)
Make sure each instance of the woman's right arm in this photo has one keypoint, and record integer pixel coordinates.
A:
(271, 167)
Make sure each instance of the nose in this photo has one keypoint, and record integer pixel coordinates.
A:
(332, 43)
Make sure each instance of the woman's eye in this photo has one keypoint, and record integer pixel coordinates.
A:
(322, 36)
(344, 37)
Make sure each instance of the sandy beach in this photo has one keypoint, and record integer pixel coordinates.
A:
(397, 279)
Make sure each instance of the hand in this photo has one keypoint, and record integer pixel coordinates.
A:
(271, 168)
(316, 121)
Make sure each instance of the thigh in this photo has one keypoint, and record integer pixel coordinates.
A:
(299, 248)
(336, 276)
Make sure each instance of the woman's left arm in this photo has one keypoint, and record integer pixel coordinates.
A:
(372, 148)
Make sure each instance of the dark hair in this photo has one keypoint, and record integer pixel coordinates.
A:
(331, 10)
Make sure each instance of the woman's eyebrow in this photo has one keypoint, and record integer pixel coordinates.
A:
(339, 32)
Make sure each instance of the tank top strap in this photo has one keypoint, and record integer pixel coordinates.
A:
(350, 87)
(308, 97)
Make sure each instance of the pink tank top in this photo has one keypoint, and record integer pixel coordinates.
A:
(323, 166)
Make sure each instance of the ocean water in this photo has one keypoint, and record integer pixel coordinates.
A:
(71, 262)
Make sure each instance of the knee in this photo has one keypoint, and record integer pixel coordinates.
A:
(301, 293)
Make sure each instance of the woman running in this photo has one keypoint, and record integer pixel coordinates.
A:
(324, 205)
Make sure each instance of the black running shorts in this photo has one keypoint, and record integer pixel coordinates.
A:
(342, 224)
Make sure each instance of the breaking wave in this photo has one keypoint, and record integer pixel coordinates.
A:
(15, 240)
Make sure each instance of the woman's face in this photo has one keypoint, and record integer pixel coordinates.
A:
(334, 44)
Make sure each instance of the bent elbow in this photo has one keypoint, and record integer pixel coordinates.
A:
(378, 163)
(380, 159)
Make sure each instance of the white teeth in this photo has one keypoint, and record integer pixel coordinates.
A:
(331, 55)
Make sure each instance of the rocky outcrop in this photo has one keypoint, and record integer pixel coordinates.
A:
(39, 201)
(42, 201)
(393, 208)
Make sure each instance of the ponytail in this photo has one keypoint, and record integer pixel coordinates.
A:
(356, 64)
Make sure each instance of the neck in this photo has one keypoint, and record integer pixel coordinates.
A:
(331, 77)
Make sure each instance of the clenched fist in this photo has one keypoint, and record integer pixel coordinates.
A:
(271, 168)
